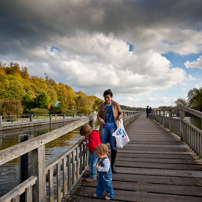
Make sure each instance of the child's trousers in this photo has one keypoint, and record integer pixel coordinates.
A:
(92, 163)
(104, 183)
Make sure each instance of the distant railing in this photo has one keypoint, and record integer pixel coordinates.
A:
(173, 119)
(17, 121)
(61, 174)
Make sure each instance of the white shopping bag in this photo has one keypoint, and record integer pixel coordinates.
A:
(120, 135)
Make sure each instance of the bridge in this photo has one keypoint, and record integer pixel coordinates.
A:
(161, 163)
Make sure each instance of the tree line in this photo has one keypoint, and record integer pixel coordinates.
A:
(21, 93)
(194, 99)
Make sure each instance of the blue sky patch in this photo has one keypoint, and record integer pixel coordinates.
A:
(131, 47)
(56, 48)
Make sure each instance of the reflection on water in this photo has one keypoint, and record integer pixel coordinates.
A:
(9, 172)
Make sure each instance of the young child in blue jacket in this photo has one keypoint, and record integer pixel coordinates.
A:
(105, 173)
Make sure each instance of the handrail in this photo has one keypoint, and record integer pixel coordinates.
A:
(182, 128)
(67, 168)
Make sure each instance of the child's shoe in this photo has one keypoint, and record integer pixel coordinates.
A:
(91, 179)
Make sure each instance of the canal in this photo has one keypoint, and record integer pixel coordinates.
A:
(9, 172)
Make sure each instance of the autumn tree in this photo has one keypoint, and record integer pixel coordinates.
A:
(190, 96)
(181, 102)
(11, 107)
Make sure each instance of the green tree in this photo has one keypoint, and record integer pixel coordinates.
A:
(197, 100)
(42, 100)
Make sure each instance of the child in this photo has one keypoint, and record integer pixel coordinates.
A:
(105, 173)
(93, 138)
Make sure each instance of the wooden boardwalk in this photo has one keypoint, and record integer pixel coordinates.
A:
(154, 166)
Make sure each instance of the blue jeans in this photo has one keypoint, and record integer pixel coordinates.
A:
(105, 183)
(108, 132)
(92, 161)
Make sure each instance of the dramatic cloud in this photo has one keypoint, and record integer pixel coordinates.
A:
(94, 45)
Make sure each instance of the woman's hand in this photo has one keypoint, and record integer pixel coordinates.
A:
(84, 143)
(102, 121)
(120, 117)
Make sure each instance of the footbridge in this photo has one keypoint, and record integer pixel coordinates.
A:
(160, 163)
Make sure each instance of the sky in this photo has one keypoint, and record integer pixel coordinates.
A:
(148, 52)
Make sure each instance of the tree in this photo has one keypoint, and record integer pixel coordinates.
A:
(24, 73)
(190, 96)
(181, 102)
(197, 100)
(42, 100)
(11, 107)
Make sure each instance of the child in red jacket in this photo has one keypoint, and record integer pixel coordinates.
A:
(93, 139)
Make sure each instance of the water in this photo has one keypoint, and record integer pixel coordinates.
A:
(9, 172)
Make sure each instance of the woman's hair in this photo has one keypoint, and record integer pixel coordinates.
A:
(108, 92)
(86, 130)
(101, 149)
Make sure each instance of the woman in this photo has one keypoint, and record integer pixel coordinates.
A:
(109, 115)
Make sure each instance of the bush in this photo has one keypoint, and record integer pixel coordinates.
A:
(68, 111)
(55, 110)
(38, 111)
(11, 107)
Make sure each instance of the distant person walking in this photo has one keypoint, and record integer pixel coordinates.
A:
(109, 115)
(150, 112)
(147, 111)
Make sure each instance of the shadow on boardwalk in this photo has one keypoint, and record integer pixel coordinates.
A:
(154, 166)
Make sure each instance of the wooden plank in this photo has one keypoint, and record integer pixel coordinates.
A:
(153, 188)
(157, 160)
(158, 165)
(77, 162)
(58, 182)
(81, 159)
(41, 181)
(159, 172)
(157, 149)
(64, 164)
(50, 182)
(69, 172)
(156, 146)
(157, 152)
(122, 153)
(171, 180)
(28, 194)
(137, 196)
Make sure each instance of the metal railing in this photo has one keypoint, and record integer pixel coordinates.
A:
(174, 120)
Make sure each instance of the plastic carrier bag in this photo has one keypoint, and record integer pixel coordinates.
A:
(120, 135)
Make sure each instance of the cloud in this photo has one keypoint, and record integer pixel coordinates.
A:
(194, 64)
(93, 45)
